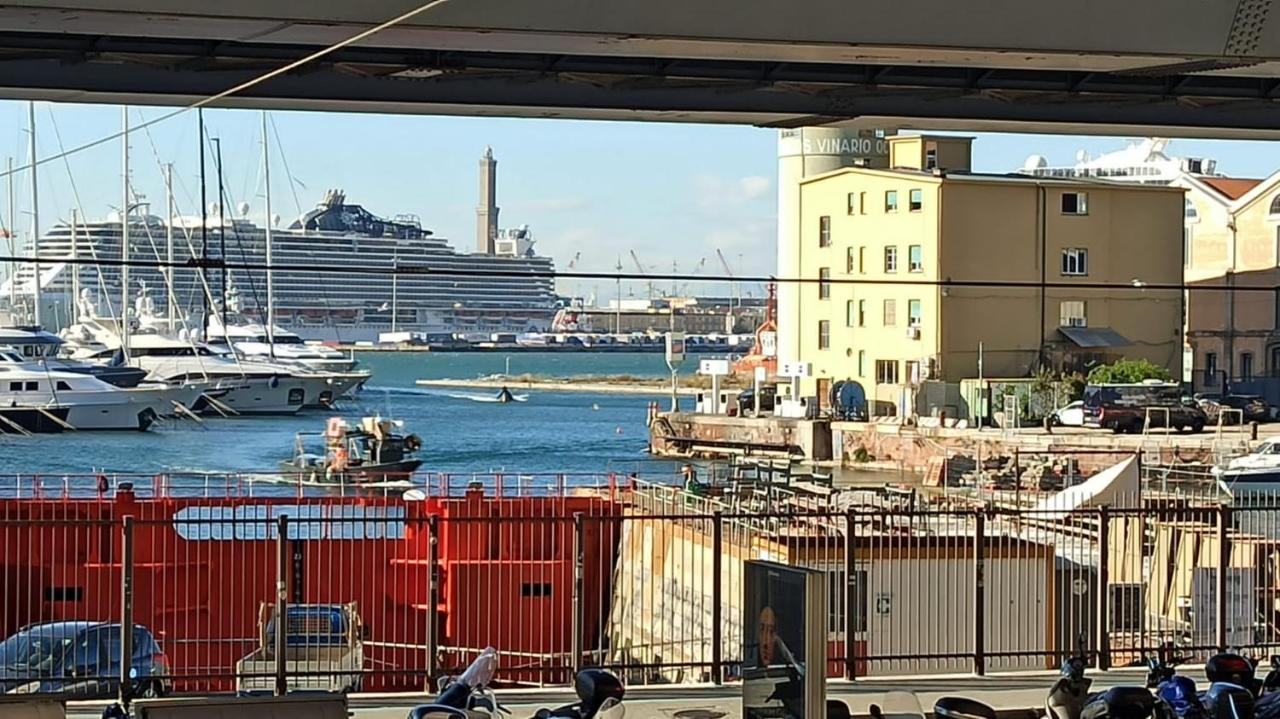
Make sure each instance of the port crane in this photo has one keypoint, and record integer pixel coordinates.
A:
(641, 270)
(735, 287)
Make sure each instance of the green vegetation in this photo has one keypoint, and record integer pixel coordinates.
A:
(1128, 371)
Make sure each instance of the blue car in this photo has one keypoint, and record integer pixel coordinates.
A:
(81, 659)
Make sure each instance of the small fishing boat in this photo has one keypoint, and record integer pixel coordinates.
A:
(504, 395)
(373, 451)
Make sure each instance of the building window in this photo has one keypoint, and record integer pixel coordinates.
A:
(891, 201)
(824, 334)
(824, 231)
(930, 155)
(848, 262)
(913, 372)
(891, 258)
(862, 363)
(1075, 262)
(915, 259)
(1075, 203)
(913, 313)
(890, 313)
(853, 202)
(1186, 245)
(1191, 213)
(915, 200)
(862, 260)
(850, 314)
(886, 371)
(862, 203)
(1210, 368)
(1246, 366)
(1071, 314)
(1275, 206)
(862, 313)
(824, 283)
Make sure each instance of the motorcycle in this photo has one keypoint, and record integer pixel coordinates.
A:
(468, 695)
(1176, 691)
(1233, 689)
(904, 705)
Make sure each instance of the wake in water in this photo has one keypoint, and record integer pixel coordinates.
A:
(488, 397)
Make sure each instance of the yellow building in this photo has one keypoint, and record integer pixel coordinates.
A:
(933, 266)
(1232, 242)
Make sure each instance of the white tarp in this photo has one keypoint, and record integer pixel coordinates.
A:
(1115, 485)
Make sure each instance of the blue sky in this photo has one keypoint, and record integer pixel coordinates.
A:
(594, 189)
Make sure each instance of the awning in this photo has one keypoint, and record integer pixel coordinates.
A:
(1090, 337)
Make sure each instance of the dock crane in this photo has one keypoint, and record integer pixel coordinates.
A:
(735, 288)
(640, 269)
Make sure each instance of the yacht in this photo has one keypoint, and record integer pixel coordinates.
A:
(36, 344)
(250, 339)
(1256, 473)
(245, 387)
(36, 398)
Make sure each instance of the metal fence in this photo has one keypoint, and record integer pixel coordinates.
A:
(384, 594)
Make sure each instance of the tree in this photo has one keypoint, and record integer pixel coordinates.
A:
(1128, 371)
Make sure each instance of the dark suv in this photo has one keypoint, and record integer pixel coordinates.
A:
(81, 659)
(1127, 407)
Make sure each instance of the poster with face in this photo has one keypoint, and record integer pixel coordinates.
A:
(773, 622)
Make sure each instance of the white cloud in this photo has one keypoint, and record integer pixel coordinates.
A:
(714, 194)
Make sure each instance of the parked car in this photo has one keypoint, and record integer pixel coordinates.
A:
(316, 635)
(747, 400)
(1255, 408)
(1070, 416)
(1129, 407)
(81, 659)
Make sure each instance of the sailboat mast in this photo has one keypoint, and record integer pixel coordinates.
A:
(222, 233)
(124, 238)
(204, 229)
(170, 287)
(13, 224)
(35, 217)
(271, 280)
(75, 266)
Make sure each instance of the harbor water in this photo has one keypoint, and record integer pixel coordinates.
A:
(462, 430)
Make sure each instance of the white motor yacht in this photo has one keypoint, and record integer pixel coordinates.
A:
(250, 339)
(1255, 473)
(36, 398)
(245, 387)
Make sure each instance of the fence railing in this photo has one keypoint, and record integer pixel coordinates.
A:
(385, 595)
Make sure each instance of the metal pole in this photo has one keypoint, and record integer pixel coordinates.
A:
(126, 612)
(35, 219)
(579, 545)
(124, 240)
(13, 226)
(717, 596)
(1017, 479)
(433, 592)
(850, 599)
(204, 230)
(170, 288)
(271, 278)
(222, 233)
(75, 266)
(979, 595)
(675, 395)
(1224, 560)
(282, 603)
(1101, 637)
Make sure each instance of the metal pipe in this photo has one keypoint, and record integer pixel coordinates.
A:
(717, 596)
(282, 604)
(126, 611)
(1101, 621)
(579, 545)
(979, 595)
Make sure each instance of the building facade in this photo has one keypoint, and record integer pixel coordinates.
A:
(1232, 247)
(934, 272)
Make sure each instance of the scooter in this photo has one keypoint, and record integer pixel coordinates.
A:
(1233, 689)
(469, 696)
(1069, 698)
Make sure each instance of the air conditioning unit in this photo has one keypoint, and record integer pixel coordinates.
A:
(913, 333)
(1077, 322)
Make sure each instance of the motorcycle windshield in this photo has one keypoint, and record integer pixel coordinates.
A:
(901, 705)
(611, 709)
(480, 673)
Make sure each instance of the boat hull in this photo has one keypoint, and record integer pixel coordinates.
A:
(385, 472)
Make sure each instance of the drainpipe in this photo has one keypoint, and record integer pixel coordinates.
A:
(1229, 335)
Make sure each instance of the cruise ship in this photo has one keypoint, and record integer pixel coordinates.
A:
(335, 283)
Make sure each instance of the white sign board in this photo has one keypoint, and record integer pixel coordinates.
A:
(714, 367)
(769, 344)
(761, 375)
(795, 369)
(675, 347)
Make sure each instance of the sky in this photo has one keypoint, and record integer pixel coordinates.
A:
(590, 190)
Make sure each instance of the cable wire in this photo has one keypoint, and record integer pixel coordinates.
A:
(238, 88)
